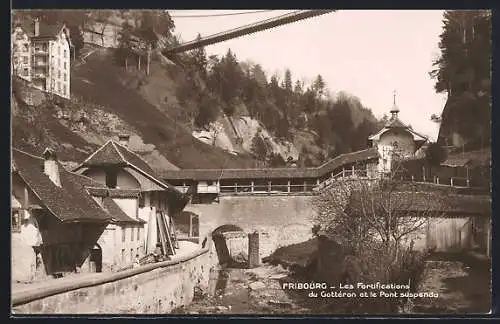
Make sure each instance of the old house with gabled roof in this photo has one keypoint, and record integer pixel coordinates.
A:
(115, 166)
(41, 54)
(395, 140)
(62, 222)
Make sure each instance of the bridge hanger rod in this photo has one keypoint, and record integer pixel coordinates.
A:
(247, 29)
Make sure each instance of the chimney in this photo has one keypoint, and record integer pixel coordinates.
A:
(123, 139)
(37, 27)
(51, 166)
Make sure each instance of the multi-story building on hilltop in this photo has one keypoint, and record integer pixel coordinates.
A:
(41, 55)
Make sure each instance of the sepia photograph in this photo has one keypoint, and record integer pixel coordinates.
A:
(251, 162)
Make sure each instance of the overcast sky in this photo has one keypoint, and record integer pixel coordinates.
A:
(366, 53)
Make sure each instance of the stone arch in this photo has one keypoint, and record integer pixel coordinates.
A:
(220, 243)
(226, 228)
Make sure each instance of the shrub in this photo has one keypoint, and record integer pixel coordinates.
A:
(373, 263)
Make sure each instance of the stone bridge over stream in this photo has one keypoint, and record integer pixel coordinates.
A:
(279, 220)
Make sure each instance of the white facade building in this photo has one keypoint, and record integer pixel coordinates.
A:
(41, 55)
(395, 140)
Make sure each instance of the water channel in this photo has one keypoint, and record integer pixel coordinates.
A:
(249, 291)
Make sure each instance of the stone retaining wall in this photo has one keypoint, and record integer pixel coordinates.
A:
(151, 289)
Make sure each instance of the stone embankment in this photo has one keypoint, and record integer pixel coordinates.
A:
(151, 289)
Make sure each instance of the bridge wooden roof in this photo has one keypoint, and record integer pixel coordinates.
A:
(472, 158)
(448, 204)
(271, 173)
(436, 203)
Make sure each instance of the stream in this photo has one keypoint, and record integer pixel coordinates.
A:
(249, 291)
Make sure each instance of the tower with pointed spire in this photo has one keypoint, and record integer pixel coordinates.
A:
(394, 110)
(395, 140)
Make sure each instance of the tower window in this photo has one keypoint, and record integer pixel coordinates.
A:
(111, 178)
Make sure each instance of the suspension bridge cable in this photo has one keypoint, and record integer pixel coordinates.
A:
(220, 15)
(247, 29)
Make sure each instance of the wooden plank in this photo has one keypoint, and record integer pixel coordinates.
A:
(161, 231)
(166, 236)
(169, 232)
(166, 233)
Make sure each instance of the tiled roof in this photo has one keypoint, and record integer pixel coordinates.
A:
(214, 174)
(98, 192)
(119, 216)
(347, 158)
(70, 202)
(114, 193)
(271, 173)
(451, 203)
(395, 123)
(107, 154)
(114, 154)
(438, 203)
(46, 30)
(478, 157)
(136, 160)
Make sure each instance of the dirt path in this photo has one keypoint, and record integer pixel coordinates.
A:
(463, 282)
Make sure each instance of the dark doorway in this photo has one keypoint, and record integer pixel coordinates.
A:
(95, 259)
(221, 245)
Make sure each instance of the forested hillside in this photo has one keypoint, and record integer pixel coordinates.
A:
(463, 72)
(165, 101)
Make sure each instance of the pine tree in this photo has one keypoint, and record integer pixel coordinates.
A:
(465, 46)
(199, 59)
(231, 82)
(259, 147)
(319, 86)
(124, 43)
(259, 75)
(288, 80)
(298, 87)
(463, 71)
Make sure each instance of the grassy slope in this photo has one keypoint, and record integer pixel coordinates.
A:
(36, 129)
(155, 126)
